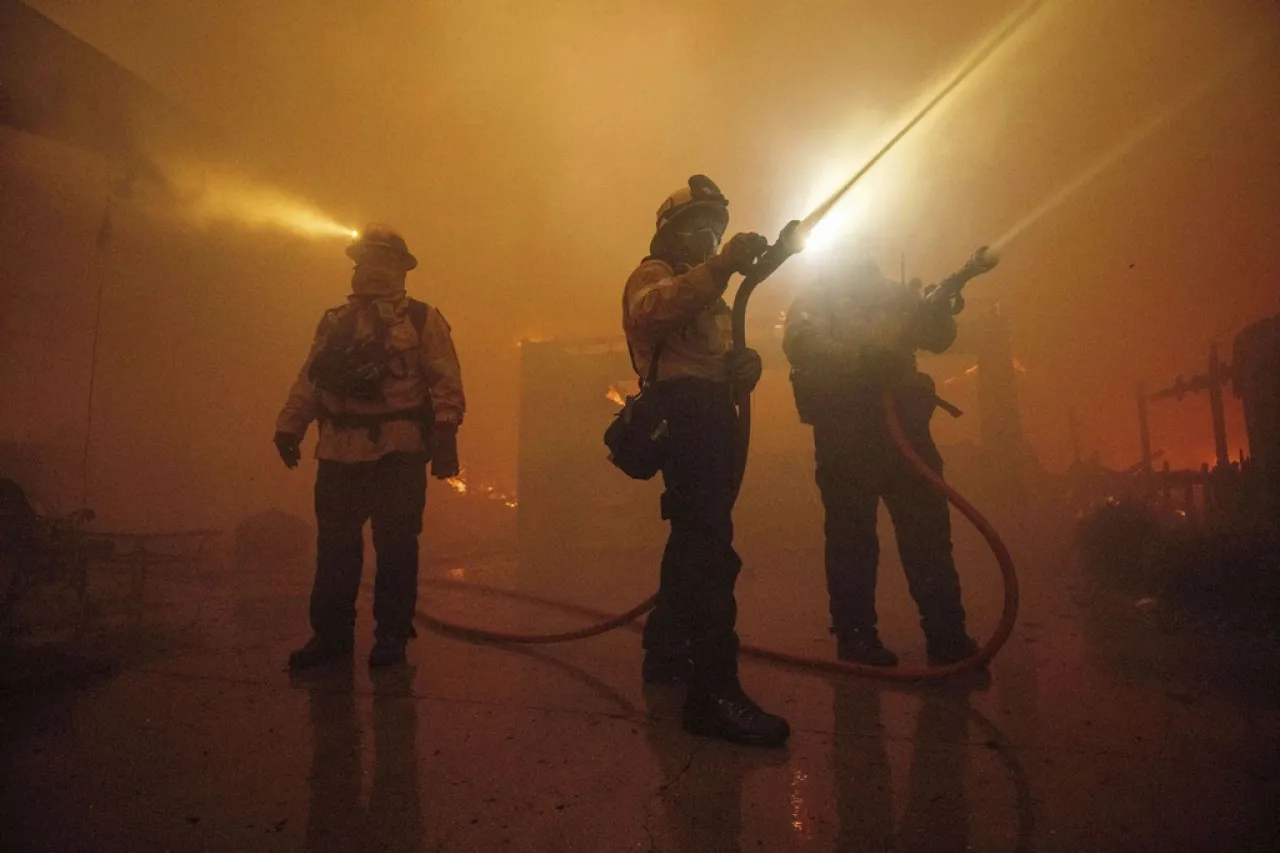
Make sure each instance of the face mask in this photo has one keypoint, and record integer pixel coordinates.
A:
(374, 279)
(696, 236)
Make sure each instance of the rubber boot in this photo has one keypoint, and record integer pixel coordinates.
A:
(949, 650)
(388, 651)
(320, 651)
(729, 714)
(863, 646)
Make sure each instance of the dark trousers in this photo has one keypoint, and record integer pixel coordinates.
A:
(696, 611)
(391, 494)
(857, 467)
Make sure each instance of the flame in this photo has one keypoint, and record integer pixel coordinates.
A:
(613, 395)
(462, 487)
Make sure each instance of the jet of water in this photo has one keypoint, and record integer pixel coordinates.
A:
(810, 224)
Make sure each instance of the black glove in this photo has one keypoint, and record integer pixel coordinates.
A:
(289, 446)
(444, 451)
(744, 367)
(739, 253)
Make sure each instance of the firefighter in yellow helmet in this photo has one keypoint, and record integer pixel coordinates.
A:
(680, 333)
(383, 382)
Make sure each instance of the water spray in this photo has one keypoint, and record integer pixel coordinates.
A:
(794, 236)
(1153, 124)
(810, 222)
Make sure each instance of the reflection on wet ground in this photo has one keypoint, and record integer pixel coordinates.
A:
(201, 741)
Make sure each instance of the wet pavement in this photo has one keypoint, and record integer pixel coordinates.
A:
(202, 742)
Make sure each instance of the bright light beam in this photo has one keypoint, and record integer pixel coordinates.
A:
(811, 221)
(209, 197)
(1143, 132)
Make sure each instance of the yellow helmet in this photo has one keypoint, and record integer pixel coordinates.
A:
(383, 243)
(700, 193)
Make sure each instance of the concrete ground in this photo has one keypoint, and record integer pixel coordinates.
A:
(1094, 732)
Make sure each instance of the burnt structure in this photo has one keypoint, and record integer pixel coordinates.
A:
(1256, 359)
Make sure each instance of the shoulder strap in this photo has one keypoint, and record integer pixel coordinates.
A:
(657, 350)
(417, 312)
(646, 381)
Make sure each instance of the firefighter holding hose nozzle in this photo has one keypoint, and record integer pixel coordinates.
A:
(849, 338)
(679, 330)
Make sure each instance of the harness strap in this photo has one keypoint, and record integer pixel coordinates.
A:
(372, 422)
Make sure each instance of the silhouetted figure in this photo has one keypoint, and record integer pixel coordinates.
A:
(848, 339)
(680, 333)
(383, 381)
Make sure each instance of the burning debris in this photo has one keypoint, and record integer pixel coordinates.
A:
(460, 485)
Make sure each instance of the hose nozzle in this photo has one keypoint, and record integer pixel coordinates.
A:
(985, 258)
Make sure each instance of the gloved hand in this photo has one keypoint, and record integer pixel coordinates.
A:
(289, 446)
(444, 451)
(739, 253)
(944, 307)
(744, 367)
(884, 366)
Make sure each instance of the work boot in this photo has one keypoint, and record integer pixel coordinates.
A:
(729, 714)
(662, 669)
(320, 651)
(950, 650)
(388, 651)
(863, 647)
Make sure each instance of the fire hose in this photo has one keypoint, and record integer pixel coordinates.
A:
(789, 242)
(785, 246)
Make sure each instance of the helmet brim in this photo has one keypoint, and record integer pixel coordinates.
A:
(359, 250)
(721, 212)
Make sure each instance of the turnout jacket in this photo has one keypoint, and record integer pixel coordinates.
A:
(847, 341)
(683, 307)
(427, 383)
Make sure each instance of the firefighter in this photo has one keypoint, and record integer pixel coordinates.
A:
(383, 383)
(673, 306)
(848, 339)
